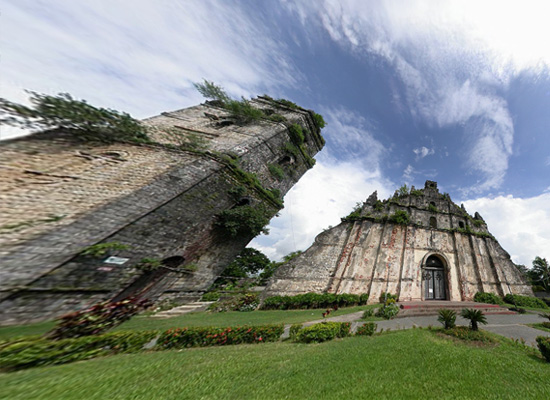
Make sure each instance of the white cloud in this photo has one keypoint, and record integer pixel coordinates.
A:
(323, 195)
(139, 56)
(422, 152)
(519, 224)
(408, 173)
(453, 61)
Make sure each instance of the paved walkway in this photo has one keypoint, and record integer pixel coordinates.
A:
(511, 326)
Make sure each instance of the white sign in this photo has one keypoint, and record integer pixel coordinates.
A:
(116, 260)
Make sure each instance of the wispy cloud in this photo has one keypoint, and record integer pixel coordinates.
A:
(454, 68)
(422, 152)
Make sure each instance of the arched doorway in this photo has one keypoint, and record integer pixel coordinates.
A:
(434, 286)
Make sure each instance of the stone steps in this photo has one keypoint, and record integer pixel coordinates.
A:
(420, 308)
(184, 309)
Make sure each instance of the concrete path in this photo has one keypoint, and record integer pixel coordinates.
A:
(511, 326)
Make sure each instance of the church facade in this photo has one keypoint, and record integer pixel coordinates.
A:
(418, 245)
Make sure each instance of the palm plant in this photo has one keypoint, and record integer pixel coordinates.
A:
(447, 318)
(475, 317)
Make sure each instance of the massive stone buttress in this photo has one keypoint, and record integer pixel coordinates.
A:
(441, 253)
(60, 195)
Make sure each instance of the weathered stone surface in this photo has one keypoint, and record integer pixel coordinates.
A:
(59, 195)
(367, 253)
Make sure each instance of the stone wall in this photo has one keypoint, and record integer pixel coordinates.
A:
(61, 195)
(368, 253)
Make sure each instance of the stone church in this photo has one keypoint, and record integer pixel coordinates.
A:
(164, 218)
(418, 245)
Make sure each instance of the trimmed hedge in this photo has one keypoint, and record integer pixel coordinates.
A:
(323, 332)
(525, 301)
(37, 351)
(488, 298)
(543, 343)
(313, 300)
(179, 338)
(367, 329)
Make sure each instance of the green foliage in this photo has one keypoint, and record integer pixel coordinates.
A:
(210, 296)
(384, 296)
(475, 316)
(323, 332)
(276, 171)
(543, 342)
(247, 263)
(477, 223)
(389, 310)
(277, 118)
(76, 116)
(211, 91)
(403, 191)
(367, 313)
(367, 329)
(294, 329)
(464, 333)
(102, 249)
(97, 318)
(245, 220)
(149, 264)
(355, 213)
(540, 273)
(243, 111)
(400, 217)
(447, 318)
(488, 298)
(313, 300)
(180, 338)
(296, 134)
(243, 302)
(288, 103)
(525, 301)
(432, 208)
(34, 352)
(319, 120)
(417, 193)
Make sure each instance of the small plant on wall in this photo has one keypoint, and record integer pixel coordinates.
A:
(102, 249)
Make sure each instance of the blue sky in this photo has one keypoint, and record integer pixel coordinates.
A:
(454, 91)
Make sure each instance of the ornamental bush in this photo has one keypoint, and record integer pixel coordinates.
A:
(294, 329)
(465, 333)
(543, 342)
(323, 332)
(38, 351)
(525, 301)
(367, 329)
(179, 338)
(488, 298)
(313, 300)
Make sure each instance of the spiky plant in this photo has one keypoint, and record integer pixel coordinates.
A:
(475, 316)
(447, 318)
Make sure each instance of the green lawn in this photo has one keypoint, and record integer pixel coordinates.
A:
(412, 364)
(539, 327)
(198, 319)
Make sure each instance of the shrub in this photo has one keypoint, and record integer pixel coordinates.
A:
(313, 300)
(367, 313)
(294, 329)
(525, 301)
(389, 310)
(387, 296)
(210, 296)
(243, 302)
(180, 338)
(489, 298)
(543, 343)
(276, 171)
(97, 318)
(447, 318)
(323, 332)
(296, 134)
(102, 249)
(475, 316)
(244, 220)
(546, 325)
(367, 329)
(35, 352)
(464, 333)
(400, 217)
(319, 120)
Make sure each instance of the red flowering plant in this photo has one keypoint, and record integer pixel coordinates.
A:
(97, 319)
(178, 338)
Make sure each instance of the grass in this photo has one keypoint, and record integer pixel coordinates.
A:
(196, 319)
(410, 364)
(534, 309)
(539, 327)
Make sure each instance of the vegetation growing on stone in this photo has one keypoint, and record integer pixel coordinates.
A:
(400, 217)
(276, 171)
(102, 249)
(245, 220)
(75, 116)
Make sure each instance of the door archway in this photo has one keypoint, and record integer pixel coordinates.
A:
(434, 279)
